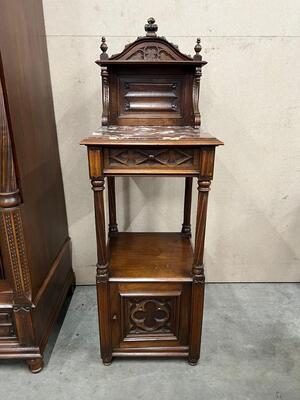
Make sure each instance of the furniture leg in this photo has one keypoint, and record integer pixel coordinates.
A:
(113, 226)
(97, 180)
(35, 365)
(186, 226)
(198, 274)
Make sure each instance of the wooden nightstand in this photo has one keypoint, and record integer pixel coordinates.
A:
(150, 286)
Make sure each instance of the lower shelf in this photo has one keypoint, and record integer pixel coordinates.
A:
(150, 257)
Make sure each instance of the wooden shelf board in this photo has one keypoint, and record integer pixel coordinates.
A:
(150, 257)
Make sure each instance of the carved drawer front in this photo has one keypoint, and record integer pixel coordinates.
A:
(175, 159)
(7, 329)
(146, 315)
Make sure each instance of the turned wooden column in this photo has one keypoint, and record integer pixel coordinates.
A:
(198, 273)
(97, 181)
(113, 226)
(186, 226)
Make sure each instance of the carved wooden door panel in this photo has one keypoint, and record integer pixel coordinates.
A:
(149, 314)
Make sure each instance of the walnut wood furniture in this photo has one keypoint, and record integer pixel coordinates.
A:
(35, 267)
(150, 286)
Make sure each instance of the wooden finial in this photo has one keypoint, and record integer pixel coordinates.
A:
(151, 27)
(103, 47)
(198, 48)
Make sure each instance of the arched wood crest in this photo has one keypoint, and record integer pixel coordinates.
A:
(164, 92)
(148, 49)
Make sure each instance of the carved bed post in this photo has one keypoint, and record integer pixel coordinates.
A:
(13, 250)
(186, 226)
(97, 181)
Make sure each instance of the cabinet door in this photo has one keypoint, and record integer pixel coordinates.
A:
(149, 314)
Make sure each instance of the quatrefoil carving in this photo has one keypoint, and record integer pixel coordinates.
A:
(150, 315)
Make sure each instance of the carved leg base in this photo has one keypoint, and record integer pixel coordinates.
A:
(193, 362)
(186, 230)
(113, 229)
(35, 365)
(107, 362)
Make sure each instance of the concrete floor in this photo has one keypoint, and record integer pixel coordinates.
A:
(250, 350)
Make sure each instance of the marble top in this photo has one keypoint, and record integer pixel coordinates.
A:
(150, 135)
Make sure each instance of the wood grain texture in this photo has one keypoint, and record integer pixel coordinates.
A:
(35, 247)
(149, 316)
(24, 56)
(150, 286)
(150, 257)
(97, 180)
(140, 92)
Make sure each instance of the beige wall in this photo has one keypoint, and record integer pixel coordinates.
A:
(250, 98)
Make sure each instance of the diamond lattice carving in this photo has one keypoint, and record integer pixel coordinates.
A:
(164, 157)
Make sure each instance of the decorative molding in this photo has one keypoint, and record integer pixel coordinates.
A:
(9, 192)
(97, 184)
(204, 186)
(197, 49)
(105, 95)
(151, 157)
(168, 51)
(151, 27)
(22, 308)
(141, 95)
(149, 315)
(152, 53)
(102, 273)
(14, 252)
(198, 267)
(198, 274)
(103, 47)
(196, 92)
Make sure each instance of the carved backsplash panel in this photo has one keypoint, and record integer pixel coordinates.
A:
(150, 95)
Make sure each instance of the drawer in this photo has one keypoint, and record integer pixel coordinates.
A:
(5, 317)
(147, 315)
(6, 325)
(172, 159)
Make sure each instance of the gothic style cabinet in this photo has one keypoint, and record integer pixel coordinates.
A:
(150, 286)
(35, 256)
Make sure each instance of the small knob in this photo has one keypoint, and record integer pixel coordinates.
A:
(115, 317)
(151, 156)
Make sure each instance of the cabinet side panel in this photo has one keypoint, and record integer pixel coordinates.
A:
(27, 77)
